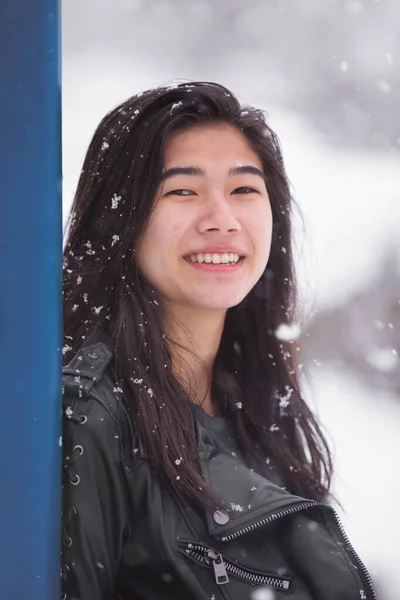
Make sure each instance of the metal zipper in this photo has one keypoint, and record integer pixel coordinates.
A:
(223, 567)
(299, 507)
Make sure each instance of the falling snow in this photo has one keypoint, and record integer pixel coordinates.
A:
(287, 333)
(263, 594)
(328, 284)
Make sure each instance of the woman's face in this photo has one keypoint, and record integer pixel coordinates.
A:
(211, 207)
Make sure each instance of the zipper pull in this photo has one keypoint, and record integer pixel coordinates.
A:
(221, 576)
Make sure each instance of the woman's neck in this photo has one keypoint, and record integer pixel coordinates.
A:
(195, 338)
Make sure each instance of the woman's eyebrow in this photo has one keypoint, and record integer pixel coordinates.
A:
(246, 170)
(181, 171)
(196, 171)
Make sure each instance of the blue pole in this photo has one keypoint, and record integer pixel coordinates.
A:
(30, 299)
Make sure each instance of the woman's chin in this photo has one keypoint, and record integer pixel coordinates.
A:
(213, 302)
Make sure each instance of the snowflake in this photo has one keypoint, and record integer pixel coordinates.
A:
(287, 333)
(115, 201)
(105, 146)
(150, 392)
(239, 405)
(115, 239)
(284, 401)
(178, 461)
(176, 105)
(236, 507)
(263, 594)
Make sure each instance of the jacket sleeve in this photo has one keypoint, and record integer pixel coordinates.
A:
(95, 504)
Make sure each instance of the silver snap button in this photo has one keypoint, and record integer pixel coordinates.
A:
(221, 517)
(93, 355)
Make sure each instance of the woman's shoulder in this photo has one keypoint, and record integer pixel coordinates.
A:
(87, 368)
(91, 397)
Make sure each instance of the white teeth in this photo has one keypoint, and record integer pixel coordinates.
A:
(215, 258)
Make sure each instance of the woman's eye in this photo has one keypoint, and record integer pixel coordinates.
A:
(245, 190)
(181, 192)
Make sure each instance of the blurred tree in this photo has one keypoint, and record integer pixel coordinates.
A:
(362, 336)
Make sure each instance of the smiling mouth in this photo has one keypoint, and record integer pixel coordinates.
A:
(215, 258)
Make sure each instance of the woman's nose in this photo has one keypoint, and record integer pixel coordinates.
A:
(219, 216)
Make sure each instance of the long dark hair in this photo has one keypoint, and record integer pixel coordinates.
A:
(256, 375)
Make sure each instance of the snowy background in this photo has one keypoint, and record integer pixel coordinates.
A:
(328, 75)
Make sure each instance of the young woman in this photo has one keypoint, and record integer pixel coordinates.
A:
(193, 468)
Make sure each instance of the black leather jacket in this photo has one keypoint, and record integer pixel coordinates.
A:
(126, 537)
